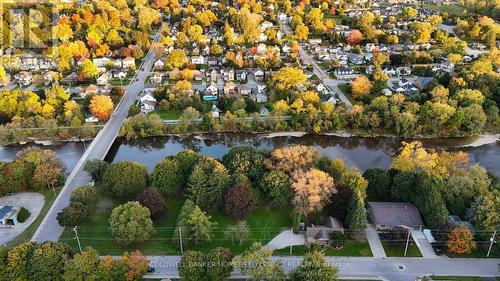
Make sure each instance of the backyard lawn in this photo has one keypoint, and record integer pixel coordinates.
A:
(346, 89)
(28, 233)
(168, 115)
(398, 250)
(350, 249)
(455, 10)
(263, 224)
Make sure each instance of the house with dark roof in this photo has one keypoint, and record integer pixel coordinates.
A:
(388, 215)
(8, 216)
(321, 234)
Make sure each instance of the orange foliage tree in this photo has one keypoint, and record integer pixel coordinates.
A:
(354, 37)
(460, 240)
(312, 190)
(101, 107)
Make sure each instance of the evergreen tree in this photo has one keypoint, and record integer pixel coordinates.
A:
(356, 216)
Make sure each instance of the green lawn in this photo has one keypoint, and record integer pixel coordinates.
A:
(346, 89)
(392, 250)
(350, 249)
(168, 115)
(457, 278)
(456, 10)
(264, 225)
(28, 233)
(314, 77)
(117, 82)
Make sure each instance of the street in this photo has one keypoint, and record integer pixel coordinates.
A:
(49, 229)
(394, 269)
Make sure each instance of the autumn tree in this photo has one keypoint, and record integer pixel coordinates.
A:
(154, 201)
(88, 70)
(460, 240)
(354, 37)
(131, 223)
(361, 87)
(301, 32)
(291, 158)
(238, 201)
(288, 78)
(101, 107)
(46, 175)
(191, 266)
(312, 190)
(86, 195)
(126, 179)
(176, 59)
(82, 266)
(3, 76)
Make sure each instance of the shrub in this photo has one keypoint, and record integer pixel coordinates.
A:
(74, 214)
(154, 201)
(85, 194)
(337, 239)
(23, 215)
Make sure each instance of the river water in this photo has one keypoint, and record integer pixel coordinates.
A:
(359, 152)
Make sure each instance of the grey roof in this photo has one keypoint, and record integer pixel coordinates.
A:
(322, 235)
(395, 214)
(5, 210)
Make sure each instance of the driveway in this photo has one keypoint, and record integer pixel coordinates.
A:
(374, 241)
(423, 245)
(32, 201)
(285, 239)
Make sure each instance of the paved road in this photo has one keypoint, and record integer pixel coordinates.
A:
(394, 269)
(49, 229)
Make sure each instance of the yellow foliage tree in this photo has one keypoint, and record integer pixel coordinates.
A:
(312, 190)
(361, 87)
(101, 107)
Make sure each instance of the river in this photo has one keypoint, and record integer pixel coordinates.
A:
(359, 152)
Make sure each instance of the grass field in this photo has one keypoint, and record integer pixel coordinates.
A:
(28, 233)
(346, 89)
(350, 249)
(457, 278)
(398, 250)
(263, 224)
(168, 115)
(455, 10)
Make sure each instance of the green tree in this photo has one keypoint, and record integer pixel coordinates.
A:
(131, 223)
(245, 160)
(86, 195)
(356, 215)
(314, 267)
(166, 176)
(75, 214)
(256, 263)
(379, 184)
(277, 185)
(96, 168)
(239, 232)
(126, 179)
(47, 261)
(208, 183)
(198, 226)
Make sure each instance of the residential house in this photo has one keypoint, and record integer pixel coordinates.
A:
(49, 77)
(264, 112)
(215, 111)
(423, 83)
(103, 79)
(258, 75)
(198, 60)
(388, 215)
(213, 75)
(386, 92)
(90, 90)
(356, 59)
(241, 75)
(244, 90)
(447, 66)
(403, 70)
(24, 78)
(344, 73)
(213, 61)
(229, 88)
(159, 64)
(321, 234)
(100, 62)
(390, 71)
(457, 221)
(71, 78)
(91, 119)
(128, 62)
(148, 103)
(156, 77)
(228, 74)
(211, 90)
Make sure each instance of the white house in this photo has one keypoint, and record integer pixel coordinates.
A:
(159, 64)
(211, 90)
(128, 62)
(24, 78)
(103, 79)
(198, 60)
(148, 103)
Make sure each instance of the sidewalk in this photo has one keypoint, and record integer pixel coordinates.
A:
(374, 241)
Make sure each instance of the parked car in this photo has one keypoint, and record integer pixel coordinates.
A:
(151, 269)
(437, 249)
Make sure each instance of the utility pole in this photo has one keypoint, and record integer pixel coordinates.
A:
(492, 240)
(75, 229)
(407, 240)
(291, 231)
(180, 240)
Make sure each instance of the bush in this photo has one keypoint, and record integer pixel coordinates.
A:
(126, 179)
(75, 214)
(154, 201)
(337, 239)
(131, 223)
(85, 194)
(23, 215)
